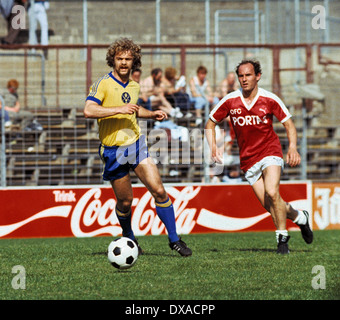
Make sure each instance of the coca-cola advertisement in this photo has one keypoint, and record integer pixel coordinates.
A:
(90, 212)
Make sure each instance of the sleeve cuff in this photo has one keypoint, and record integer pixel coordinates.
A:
(94, 99)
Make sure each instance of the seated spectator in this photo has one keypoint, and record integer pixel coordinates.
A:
(152, 90)
(143, 100)
(232, 175)
(201, 93)
(136, 75)
(228, 141)
(12, 104)
(229, 170)
(13, 30)
(8, 122)
(174, 90)
(177, 132)
(227, 85)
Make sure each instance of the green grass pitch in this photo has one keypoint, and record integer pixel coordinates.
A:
(224, 266)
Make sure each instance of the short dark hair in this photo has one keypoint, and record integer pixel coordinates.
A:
(256, 64)
(155, 71)
(202, 69)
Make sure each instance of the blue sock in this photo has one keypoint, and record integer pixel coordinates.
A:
(125, 222)
(165, 211)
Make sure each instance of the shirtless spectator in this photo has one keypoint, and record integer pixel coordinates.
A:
(175, 90)
(152, 90)
(227, 85)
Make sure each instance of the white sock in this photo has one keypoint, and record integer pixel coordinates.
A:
(283, 232)
(301, 218)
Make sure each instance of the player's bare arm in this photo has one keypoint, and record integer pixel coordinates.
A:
(94, 110)
(158, 115)
(211, 138)
(293, 157)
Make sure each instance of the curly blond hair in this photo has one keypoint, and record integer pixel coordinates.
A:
(122, 45)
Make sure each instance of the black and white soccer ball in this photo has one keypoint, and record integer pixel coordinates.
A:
(122, 253)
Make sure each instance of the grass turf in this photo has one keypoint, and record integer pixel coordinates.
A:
(224, 266)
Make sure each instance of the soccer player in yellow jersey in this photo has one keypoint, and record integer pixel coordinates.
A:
(112, 101)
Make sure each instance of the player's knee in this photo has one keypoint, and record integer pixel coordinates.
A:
(160, 194)
(124, 204)
(272, 195)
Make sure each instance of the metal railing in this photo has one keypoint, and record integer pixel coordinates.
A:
(26, 55)
(74, 153)
(3, 144)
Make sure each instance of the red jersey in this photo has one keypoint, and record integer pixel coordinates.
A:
(253, 124)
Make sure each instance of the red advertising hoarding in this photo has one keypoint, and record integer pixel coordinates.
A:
(89, 212)
(326, 205)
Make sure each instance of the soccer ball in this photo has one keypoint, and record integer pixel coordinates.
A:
(122, 253)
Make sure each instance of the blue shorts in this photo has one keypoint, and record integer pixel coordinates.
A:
(118, 160)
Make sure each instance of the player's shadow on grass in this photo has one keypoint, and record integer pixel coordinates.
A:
(266, 250)
(157, 254)
(252, 249)
(102, 253)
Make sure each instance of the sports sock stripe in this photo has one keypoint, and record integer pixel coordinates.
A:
(164, 204)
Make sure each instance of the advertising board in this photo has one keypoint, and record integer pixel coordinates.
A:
(90, 211)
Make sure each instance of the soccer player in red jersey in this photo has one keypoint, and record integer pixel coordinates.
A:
(251, 110)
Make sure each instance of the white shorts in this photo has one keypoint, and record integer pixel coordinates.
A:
(254, 173)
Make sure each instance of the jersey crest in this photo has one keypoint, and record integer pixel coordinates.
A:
(120, 129)
(126, 98)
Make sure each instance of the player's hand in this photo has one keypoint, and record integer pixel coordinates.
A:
(159, 115)
(293, 157)
(217, 157)
(129, 109)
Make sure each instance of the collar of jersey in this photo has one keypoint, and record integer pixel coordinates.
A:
(249, 106)
(124, 85)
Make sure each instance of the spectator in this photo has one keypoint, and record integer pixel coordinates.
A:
(201, 93)
(143, 100)
(13, 31)
(136, 75)
(12, 104)
(233, 175)
(37, 12)
(227, 85)
(152, 90)
(174, 90)
(8, 122)
(176, 132)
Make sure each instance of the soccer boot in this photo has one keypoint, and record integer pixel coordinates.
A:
(306, 232)
(181, 247)
(140, 250)
(282, 246)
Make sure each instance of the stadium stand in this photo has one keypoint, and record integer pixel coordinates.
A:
(65, 150)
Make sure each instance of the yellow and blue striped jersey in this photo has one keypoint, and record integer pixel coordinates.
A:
(120, 129)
